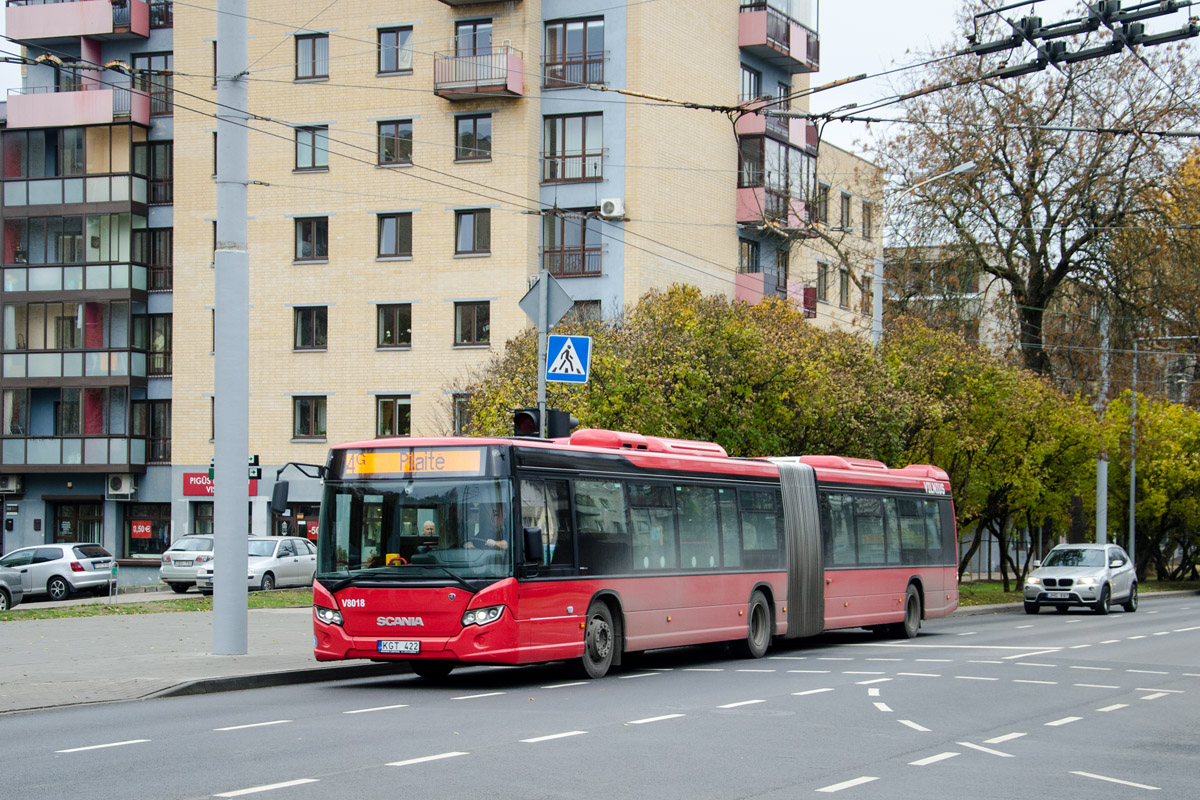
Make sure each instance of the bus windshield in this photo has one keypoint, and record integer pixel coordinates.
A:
(416, 529)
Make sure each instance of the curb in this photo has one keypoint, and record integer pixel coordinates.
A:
(1013, 608)
(262, 680)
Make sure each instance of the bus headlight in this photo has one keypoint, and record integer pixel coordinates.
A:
(482, 616)
(330, 616)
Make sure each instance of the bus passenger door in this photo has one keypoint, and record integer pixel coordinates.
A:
(550, 605)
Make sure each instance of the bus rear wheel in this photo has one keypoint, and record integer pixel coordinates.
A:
(758, 629)
(912, 616)
(599, 641)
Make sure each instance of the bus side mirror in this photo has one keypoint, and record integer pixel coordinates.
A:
(279, 495)
(534, 550)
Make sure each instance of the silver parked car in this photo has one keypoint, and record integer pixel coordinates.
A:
(1092, 575)
(10, 588)
(183, 559)
(274, 561)
(60, 570)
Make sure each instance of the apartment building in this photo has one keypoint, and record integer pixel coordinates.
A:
(412, 166)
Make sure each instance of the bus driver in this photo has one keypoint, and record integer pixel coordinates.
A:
(491, 532)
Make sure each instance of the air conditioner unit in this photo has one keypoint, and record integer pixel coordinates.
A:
(120, 487)
(612, 208)
(10, 484)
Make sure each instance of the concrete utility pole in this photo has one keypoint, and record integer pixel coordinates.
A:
(231, 365)
(1102, 459)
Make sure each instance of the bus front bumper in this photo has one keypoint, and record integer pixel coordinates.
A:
(494, 643)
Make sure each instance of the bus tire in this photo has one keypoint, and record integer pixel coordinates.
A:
(431, 670)
(599, 642)
(912, 616)
(758, 629)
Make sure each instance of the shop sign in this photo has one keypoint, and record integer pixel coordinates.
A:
(140, 529)
(198, 484)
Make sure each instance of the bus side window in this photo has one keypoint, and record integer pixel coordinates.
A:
(699, 547)
(891, 529)
(652, 510)
(547, 505)
(933, 533)
(731, 541)
(912, 532)
(868, 520)
(604, 546)
(837, 511)
(760, 529)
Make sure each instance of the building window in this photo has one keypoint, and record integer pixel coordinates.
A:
(748, 256)
(155, 160)
(473, 138)
(573, 148)
(473, 231)
(751, 84)
(574, 53)
(308, 417)
(395, 326)
(311, 328)
(462, 413)
(571, 243)
(395, 235)
(312, 57)
(153, 247)
(158, 439)
(160, 344)
(312, 239)
(823, 203)
(866, 220)
(75, 523)
(783, 93)
(846, 211)
(147, 528)
(823, 282)
(783, 260)
(395, 142)
(866, 295)
(844, 288)
(393, 416)
(472, 323)
(312, 148)
(153, 71)
(162, 14)
(473, 38)
(395, 50)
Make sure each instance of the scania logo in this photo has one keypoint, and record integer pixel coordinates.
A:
(392, 622)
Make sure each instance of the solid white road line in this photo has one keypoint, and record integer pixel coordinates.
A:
(423, 759)
(473, 696)
(537, 739)
(254, 725)
(100, 746)
(811, 691)
(386, 708)
(988, 750)
(267, 788)
(1063, 721)
(875, 680)
(566, 685)
(1008, 737)
(913, 725)
(932, 759)
(1115, 780)
(742, 703)
(837, 787)
(883, 707)
(1155, 696)
(1114, 707)
(1097, 686)
(653, 719)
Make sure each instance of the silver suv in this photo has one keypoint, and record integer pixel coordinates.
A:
(1092, 575)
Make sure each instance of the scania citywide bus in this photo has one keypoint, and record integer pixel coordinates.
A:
(449, 551)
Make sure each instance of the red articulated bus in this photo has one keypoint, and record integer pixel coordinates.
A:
(449, 551)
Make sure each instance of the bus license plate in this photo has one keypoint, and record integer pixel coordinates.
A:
(1058, 595)
(398, 646)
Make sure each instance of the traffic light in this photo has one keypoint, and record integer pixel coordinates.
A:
(527, 422)
(559, 423)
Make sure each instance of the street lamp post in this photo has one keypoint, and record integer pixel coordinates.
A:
(877, 280)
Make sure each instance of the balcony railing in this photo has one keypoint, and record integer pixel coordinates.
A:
(75, 277)
(572, 71)
(160, 450)
(122, 188)
(572, 168)
(162, 278)
(75, 364)
(72, 450)
(162, 14)
(160, 363)
(783, 41)
(56, 19)
(78, 103)
(572, 262)
(496, 73)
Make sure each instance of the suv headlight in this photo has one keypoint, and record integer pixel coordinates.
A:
(1086, 581)
(330, 616)
(1033, 580)
(482, 616)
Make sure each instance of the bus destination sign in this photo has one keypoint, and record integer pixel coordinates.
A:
(413, 461)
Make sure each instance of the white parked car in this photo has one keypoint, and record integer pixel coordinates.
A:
(60, 570)
(274, 561)
(183, 558)
(1092, 575)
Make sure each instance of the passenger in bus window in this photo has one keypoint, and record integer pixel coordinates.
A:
(429, 530)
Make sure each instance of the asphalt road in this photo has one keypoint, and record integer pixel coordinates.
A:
(1001, 706)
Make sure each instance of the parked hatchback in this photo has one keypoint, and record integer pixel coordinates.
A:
(10, 588)
(183, 559)
(1092, 575)
(60, 570)
(274, 561)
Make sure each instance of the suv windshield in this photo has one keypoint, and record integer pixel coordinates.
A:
(1073, 557)
(193, 543)
(417, 529)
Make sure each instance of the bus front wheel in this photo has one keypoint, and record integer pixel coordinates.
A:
(599, 641)
(758, 629)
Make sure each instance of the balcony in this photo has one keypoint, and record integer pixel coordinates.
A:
(86, 104)
(120, 188)
(38, 365)
(44, 22)
(776, 38)
(75, 278)
(573, 262)
(73, 453)
(754, 286)
(497, 73)
(578, 168)
(758, 204)
(573, 71)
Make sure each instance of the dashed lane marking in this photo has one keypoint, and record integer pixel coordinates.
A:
(886, 708)
(834, 658)
(988, 750)
(563, 735)
(811, 691)
(1033, 653)
(1008, 737)
(741, 703)
(1110, 641)
(254, 725)
(873, 680)
(1164, 691)
(1140, 636)
(703, 669)
(1148, 671)
(1034, 664)
(1042, 683)
(1078, 646)
(266, 788)
(565, 685)
(787, 658)
(410, 761)
(921, 762)
(1114, 707)
(1095, 669)
(1019, 627)
(1115, 780)
(849, 672)
(467, 697)
(390, 708)
(654, 719)
(913, 725)
(974, 678)
(756, 670)
(648, 675)
(101, 746)
(1096, 686)
(919, 674)
(935, 660)
(1185, 630)
(1063, 721)
(885, 659)
(810, 671)
(873, 691)
(837, 787)
(977, 661)
(1161, 633)
(1155, 696)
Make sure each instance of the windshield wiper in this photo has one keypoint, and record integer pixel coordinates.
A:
(376, 576)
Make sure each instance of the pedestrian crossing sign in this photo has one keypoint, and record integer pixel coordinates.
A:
(568, 358)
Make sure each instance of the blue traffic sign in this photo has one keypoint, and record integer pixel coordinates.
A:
(568, 358)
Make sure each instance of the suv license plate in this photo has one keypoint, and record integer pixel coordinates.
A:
(1058, 595)
(398, 646)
